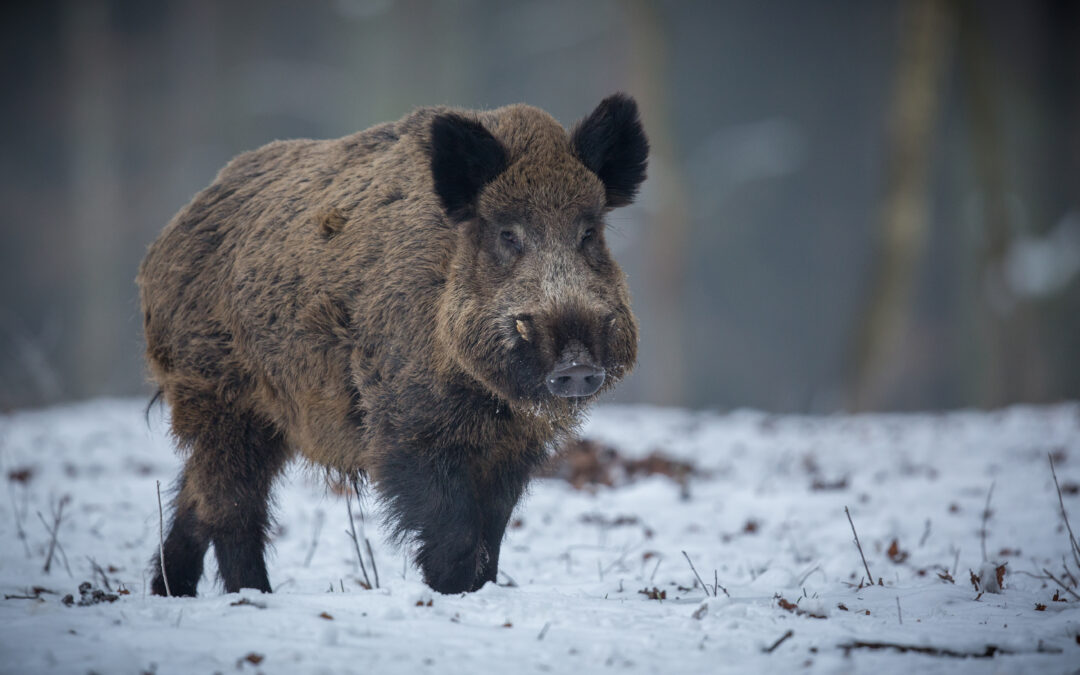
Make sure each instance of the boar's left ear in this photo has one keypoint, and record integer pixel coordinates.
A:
(612, 144)
(464, 158)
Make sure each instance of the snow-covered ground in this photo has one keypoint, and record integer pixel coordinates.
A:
(764, 513)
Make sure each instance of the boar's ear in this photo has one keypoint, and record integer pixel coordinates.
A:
(612, 144)
(464, 158)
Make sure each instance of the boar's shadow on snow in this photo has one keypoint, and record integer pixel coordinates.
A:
(428, 304)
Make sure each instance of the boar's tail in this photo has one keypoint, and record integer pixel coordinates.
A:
(156, 398)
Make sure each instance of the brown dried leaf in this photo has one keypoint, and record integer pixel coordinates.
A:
(895, 554)
(254, 658)
(819, 485)
(1000, 571)
(604, 521)
(242, 602)
(1039, 607)
(654, 593)
(326, 615)
(21, 475)
(585, 462)
(794, 608)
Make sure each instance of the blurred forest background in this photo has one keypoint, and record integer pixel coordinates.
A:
(850, 205)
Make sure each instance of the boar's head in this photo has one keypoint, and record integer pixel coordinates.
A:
(535, 308)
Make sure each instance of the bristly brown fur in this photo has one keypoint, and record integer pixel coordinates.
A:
(388, 303)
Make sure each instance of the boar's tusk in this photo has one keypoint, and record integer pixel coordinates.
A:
(522, 329)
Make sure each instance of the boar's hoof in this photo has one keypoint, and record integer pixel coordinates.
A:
(454, 574)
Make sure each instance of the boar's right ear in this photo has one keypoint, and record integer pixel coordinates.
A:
(611, 143)
(464, 158)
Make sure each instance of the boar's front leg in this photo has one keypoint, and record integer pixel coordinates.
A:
(501, 490)
(456, 520)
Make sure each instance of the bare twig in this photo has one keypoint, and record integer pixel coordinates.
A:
(1061, 583)
(899, 614)
(869, 577)
(356, 491)
(717, 586)
(18, 520)
(770, 649)
(618, 562)
(33, 593)
(985, 518)
(1069, 574)
(100, 572)
(356, 541)
(53, 530)
(161, 542)
(371, 557)
(925, 534)
(543, 631)
(510, 583)
(806, 575)
(319, 517)
(987, 653)
(363, 523)
(704, 586)
(694, 570)
(1074, 547)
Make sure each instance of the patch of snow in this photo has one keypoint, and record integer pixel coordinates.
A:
(581, 559)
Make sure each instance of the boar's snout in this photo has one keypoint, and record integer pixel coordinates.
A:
(575, 373)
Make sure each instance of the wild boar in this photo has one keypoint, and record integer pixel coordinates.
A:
(428, 305)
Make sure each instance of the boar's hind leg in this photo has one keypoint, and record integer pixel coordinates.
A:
(185, 548)
(223, 499)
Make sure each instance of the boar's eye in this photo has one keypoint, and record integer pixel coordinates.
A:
(510, 238)
(588, 235)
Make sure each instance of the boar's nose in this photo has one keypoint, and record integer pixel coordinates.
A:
(574, 374)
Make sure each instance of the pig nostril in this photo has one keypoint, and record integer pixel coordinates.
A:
(575, 380)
